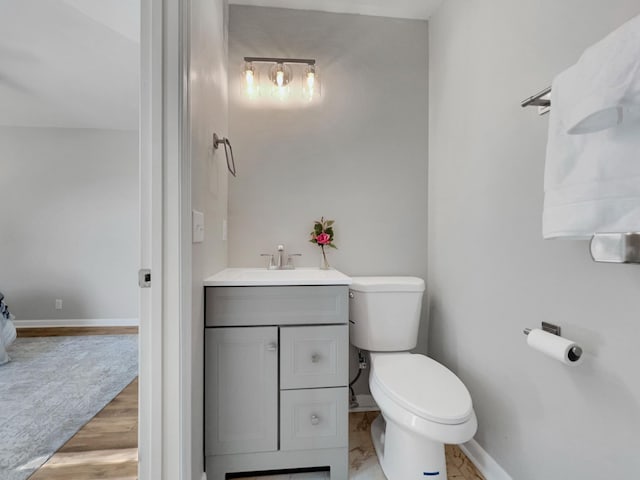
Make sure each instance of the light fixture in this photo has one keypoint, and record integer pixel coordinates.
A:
(281, 77)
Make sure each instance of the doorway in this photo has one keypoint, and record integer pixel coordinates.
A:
(69, 156)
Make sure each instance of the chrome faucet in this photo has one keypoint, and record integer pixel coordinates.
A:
(280, 249)
(280, 261)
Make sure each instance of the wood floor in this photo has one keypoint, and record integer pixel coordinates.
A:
(105, 448)
(69, 331)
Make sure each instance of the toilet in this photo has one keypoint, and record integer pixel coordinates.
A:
(423, 404)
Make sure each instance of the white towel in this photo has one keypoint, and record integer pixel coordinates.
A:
(592, 170)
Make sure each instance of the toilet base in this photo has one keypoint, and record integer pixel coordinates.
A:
(403, 455)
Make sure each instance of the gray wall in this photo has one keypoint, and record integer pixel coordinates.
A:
(358, 157)
(69, 222)
(208, 114)
(490, 272)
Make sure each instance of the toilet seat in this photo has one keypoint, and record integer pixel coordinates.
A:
(422, 386)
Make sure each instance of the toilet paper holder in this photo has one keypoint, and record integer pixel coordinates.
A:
(547, 327)
(574, 354)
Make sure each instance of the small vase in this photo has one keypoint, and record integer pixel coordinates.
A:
(324, 263)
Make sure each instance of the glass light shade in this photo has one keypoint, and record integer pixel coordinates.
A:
(250, 80)
(280, 76)
(311, 87)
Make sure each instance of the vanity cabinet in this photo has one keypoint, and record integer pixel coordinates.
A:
(276, 379)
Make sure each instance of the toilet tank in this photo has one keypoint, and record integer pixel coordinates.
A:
(384, 312)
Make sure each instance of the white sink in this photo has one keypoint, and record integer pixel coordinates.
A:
(246, 277)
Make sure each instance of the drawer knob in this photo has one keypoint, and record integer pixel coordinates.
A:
(272, 347)
(315, 420)
(315, 358)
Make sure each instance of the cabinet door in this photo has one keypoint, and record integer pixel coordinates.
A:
(241, 390)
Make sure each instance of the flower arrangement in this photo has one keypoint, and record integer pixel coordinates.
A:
(323, 235)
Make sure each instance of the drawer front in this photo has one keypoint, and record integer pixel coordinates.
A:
(315, 418)
(314, 356)
(293, 305)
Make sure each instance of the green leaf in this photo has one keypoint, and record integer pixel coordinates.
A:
(313, 240)
(329, 231)
(317, 229)
(332, 245)
(330, 222)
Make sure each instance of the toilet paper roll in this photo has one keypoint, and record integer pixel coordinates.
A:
(557, 347)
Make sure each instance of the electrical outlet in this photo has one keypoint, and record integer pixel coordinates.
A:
(58, 304)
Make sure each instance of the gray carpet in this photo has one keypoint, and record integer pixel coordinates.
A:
(51, 388)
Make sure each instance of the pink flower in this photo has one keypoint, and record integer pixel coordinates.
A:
(323, 239)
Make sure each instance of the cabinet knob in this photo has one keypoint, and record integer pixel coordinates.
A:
(315, 358)
(315, 420)
(272, 347)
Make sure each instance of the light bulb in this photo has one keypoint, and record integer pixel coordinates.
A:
(310, 83)
(250, 80)
(280, 75)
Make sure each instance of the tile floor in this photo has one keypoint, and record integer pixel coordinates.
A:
(363, 463)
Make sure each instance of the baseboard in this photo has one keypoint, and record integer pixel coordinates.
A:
(77, 322)
(366, 403)
(483, 461)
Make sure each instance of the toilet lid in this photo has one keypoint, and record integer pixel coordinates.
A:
(424, 387)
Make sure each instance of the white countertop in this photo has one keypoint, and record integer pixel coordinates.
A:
(250, 277)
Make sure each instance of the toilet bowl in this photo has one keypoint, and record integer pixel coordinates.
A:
(423, 404)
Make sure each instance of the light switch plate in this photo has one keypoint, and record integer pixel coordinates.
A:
(197, 220)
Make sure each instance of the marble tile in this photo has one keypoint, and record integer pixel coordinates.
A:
(363, 462)
(458, 460)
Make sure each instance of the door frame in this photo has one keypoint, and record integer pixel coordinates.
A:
(164, 440)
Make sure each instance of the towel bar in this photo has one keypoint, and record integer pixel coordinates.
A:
(542, 100)
(231, 163)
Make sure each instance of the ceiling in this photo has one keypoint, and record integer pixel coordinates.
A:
(75, 63)
(416, 9)
(69, 63)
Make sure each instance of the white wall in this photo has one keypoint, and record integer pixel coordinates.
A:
(69, 222)
(490, 272)
(208, 113)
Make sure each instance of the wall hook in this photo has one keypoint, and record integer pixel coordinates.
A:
(228, 153)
